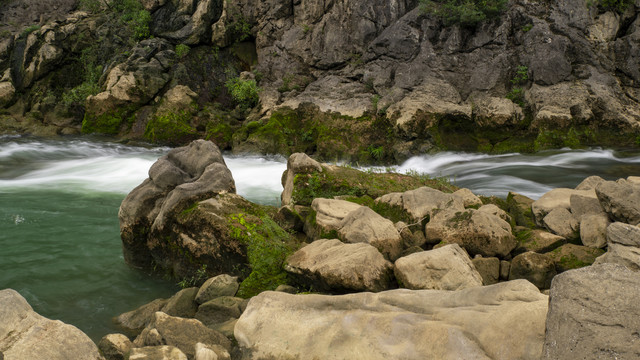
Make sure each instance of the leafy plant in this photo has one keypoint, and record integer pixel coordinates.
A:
(29, 30)
(91, 72)
(467, 13)
(197, 278)
(517, 92)
(376, 152)
(243, 91)
(527, 27)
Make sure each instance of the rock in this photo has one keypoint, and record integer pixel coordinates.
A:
(422, 202)
(468, 198)
(329, 213)
(24, 334)
(7, 91)
(152, 216)
(476, 231)
(621, 200)
(160, 352)
(593, 314)
(501, 321)
(411, 238)
(115, 346)
(221, 285)
(494, 210)
(590, 183)
(287, 289)
(446, 268)
(296, 164)
(593, 230)
(556, 198)
(179, 332)
(213, 352)
(488, 268)
(178, 98)
(364, 225)
(539, 269)
(134, 321)
(219, 310)
(505, 268)
(562, 223)
(623, 248)
(225, 328)
(520, 207)
(495, 111)
(584, 205)
(541, 241)
(331, 265)
(182, 304)
(571, 256)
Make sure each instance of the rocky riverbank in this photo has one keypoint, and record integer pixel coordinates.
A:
(360, 80)
(377, 265)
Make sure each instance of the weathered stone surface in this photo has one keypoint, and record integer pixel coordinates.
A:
(621, 200)
(488, 268)
(561, 222)
(593, 230)
(160, 352)
(623, 246)
(115, 346)
(468, 198)
(366, 226)
(476, 231)
(182, 304)
(445, 268)
(505, 268)
(329, 212)
(542, 241)
(520, 207)
(584, 205)
(179, 332)
(219, 310)
(6, 93)
(556, 198)
(422, 202)
(495, 210)
(211, 352)
(411, 238)
(188, 23)
(135, 320)
(221, 285)
(501, 321)
(590, 183)
(539, 269)
(571, 256)
(24, 334)
(623, 234)
(296, 164)
(593, 314)
(331, 265)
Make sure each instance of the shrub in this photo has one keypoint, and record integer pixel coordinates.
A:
(91, 73)
(244, 92)
(517, 92)
(464, 12)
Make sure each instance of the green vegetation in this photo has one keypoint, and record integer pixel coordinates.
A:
(198, 278)
(616, 5)
(130, 13)
(29, 30)
(243, 91)
(91, 72)
(527, 27)
(268, 246)
(171, 128)
(467, 13)
(517, 92)
(182, 50)
(393, 213)
(107, 123)
(573, 138)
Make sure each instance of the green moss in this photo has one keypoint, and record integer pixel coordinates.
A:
(268, 246)
(108, 123)
(170, 128)
(393, 213)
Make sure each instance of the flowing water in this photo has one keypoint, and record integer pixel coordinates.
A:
(59, 199)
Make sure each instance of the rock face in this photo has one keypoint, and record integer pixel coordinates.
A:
(502, 321)
(332, 265)
(445, 268)
(593, 314)
(177, 181)
(476, 231)
(26, 335)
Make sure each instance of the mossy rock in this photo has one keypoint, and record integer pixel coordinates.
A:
(110, 122)
(571, 256)
(343, 181)
(172, 128)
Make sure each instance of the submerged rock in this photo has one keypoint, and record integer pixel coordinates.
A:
(24, 334)
(502, 321)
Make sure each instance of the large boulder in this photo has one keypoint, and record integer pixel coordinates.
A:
(150, 214)
(330, 212)
(593, 230)
(501, 321)
(621, 200)
(330, 265)
(424, 201)
(476, 231)
(561, 222)
(623, 246)
(572, 256)
(593, 314)
(24, 334)
(367, 226)
(134, 321)
(221, 285)
(115, 346)
(298, 163)
(554, 199)
(488, 268)
(444, 268)
(537, 268)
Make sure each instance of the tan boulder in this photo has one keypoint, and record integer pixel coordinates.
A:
(445, 268)
(593, 230)
(623, 246)
(296, 164)
(468, 198)
(333, 265)
(423, 202)
(561, 222)
(331, 212)
(556, 198)
(364, 225)
(539, 269)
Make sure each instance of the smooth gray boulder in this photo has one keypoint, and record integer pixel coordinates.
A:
(584, 205)
(501, 321)
(468, 198)
(561, 222)
(539, 269)
(594, 314)
(332, 265)
(422, 202)
(621, 200)
(134, 321)
(330, 212)
(476, 231)
(24, 334)
(556, 198)
(221, 285)
(179, 332)
(445, 268)
(182, 304)
(219, 310)
(593, 230)
(364, 225)
(623, 246)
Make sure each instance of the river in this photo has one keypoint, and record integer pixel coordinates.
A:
(59, 199)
